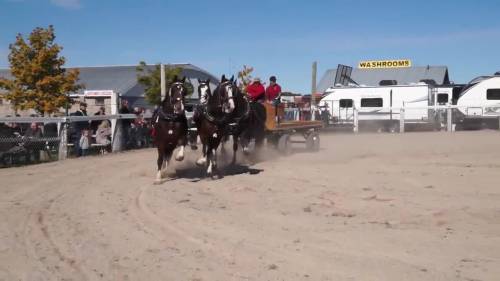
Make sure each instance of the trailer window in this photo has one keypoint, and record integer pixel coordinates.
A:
(493, 94)
(442, 98)
(345, 103)
(99, 101)
(387, 82)
(372, 102)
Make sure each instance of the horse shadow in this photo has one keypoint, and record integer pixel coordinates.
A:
(196, 174)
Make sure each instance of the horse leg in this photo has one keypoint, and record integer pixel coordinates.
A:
(212, 162)
(203, 159)
(209, 162)
(161, 164)
(167, 158)
(235, 148)
(245, 141)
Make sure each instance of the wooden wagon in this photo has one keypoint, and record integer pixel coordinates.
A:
(279, 131)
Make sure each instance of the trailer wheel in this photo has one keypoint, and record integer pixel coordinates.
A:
(272, 139)
(285, 145)
(312, 142)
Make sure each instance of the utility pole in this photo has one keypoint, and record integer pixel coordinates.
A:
(162, 81)
(313, 88)
(313, 82)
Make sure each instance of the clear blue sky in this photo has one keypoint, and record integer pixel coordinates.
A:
(280, 37)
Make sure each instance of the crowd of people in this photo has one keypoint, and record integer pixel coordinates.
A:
(25, 140)
(135, 132)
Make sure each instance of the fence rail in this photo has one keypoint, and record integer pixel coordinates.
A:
(19, 145)
(401, 114)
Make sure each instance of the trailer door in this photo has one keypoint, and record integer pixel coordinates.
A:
(346, 110)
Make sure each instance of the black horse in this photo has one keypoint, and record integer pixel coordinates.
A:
(170, 126)
(246, 123)
(211, 119)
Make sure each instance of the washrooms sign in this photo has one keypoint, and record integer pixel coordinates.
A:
(384, 64)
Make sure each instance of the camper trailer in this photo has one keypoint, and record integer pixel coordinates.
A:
(479, 103)
(373, 104)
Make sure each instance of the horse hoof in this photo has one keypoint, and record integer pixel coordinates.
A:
(177, 158)
(201, 162)
(194, 147)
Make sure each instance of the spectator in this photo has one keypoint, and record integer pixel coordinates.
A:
(256, 90)
(124, 109)
(84, 142)
(94, 124)
(78, 127)
(33, 144)
(273, 91)
(103, 134)
(14, 128)
(33, 131)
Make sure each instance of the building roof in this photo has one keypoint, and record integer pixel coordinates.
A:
(123, 79)
(403, 76)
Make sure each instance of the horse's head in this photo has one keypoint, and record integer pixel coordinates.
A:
(204, 91)
(226, 92)
(174, 102)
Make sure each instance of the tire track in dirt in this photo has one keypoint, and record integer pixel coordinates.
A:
(42, 248)
(221, 245)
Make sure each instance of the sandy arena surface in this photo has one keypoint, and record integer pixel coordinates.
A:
(418, 206)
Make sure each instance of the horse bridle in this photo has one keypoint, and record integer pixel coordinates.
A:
(222, 101)
(182, 89)
(207, 84)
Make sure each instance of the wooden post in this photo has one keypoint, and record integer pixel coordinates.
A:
(355, 127)
(313, 89)
(313, 81)
(449, 121)
(402, 120)
(162, 81)
(63, 142)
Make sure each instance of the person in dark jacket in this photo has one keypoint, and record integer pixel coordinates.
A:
(124, 109)
(78, 128)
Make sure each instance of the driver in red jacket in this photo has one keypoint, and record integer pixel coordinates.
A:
(273, 90)
(256, 91)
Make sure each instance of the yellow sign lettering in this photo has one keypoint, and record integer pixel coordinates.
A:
(385, 64)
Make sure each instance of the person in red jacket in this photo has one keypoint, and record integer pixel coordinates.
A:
(256, 91)
(273, 90)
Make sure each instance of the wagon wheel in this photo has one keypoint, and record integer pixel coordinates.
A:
(285, 145)
(273, 139)
(312, 142)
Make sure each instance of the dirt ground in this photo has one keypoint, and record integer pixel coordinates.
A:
(416, 206)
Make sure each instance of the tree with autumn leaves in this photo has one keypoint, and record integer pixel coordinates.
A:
(39, 80)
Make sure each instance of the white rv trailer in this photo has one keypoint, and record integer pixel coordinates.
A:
(373, 104)
(479, 101)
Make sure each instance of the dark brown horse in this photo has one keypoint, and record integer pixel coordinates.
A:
(170, 126)
(211, 120)
(246, 123)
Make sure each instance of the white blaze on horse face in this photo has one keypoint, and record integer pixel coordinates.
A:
(203, 94)
(229, 90)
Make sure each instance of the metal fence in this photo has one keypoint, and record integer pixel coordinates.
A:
(429, 117)
(29, 140)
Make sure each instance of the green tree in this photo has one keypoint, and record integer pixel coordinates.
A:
(40, 81)
(151, 81)
(245, 77)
